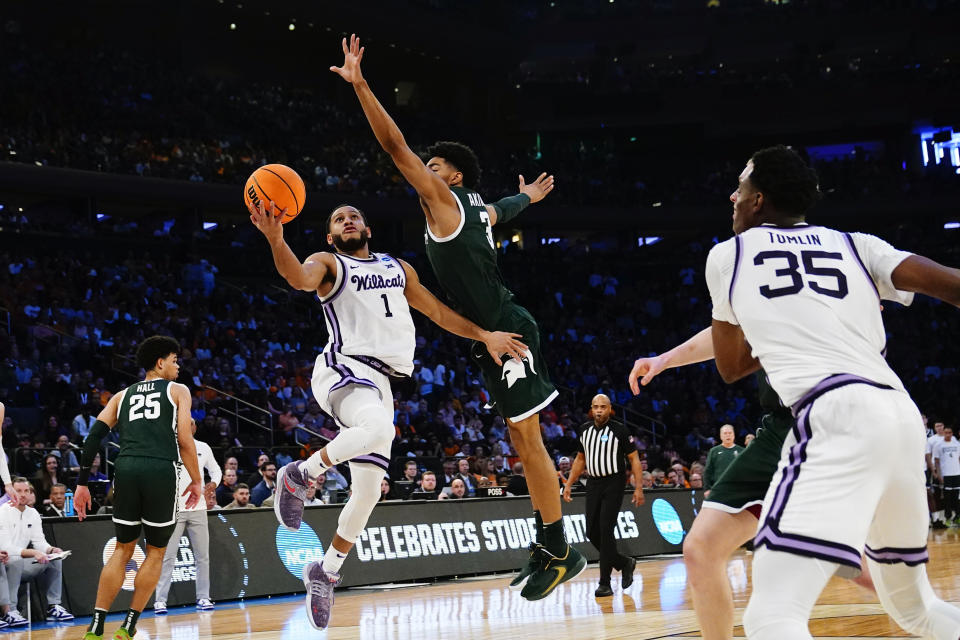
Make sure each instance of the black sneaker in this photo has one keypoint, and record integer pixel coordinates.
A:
(603, 591)
(532, 563)
(939, 525)
(553, 571)
(626, 575)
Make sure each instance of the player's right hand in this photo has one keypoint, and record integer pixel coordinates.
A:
(11, 494)
(82, 501)
(267, 222)
(566, 494)
(352, 55)
(504, 343)
(649, 368)
(194, 493)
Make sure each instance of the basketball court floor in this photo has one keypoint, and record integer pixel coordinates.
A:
(657, 605)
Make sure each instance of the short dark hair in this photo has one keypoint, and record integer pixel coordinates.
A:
(461, 157)
(242, 485)
(326, 226)
(155, 348)
(428, 473)
(785, 180)
(267, 463)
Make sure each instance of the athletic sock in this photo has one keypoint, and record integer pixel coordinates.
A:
(539, 532)
(313, 466)
(554, 539)
(130, 622)
(333, 560)
(96, 624)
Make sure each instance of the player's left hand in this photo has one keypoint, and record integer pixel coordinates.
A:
(538, 189)
(649, 368)
(11, 494)
(82, 501)
(352, 55)
(638, 498)
(501, 342)
(194, 493)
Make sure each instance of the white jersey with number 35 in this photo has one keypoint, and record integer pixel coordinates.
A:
(367, 312)
(808, 301)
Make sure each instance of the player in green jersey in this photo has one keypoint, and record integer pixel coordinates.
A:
(153, 420)
(461, 251)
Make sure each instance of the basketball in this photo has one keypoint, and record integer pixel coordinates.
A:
(279, 184)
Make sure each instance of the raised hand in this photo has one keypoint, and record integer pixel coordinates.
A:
(352, 55)
(268, 223)
(538, 189)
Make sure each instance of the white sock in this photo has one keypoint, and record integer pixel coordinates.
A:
(313, 466)
(333, 560)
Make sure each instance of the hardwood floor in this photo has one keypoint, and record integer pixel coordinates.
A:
(657, 605)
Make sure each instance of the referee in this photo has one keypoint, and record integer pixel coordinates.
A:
(604, 446)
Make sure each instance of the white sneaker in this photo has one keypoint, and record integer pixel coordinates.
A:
(205, 604)
(160, 608)
(56, 612)
(14, 619)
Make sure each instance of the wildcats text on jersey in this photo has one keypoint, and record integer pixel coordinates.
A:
(376, 281)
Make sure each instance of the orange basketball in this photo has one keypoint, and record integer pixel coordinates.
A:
(279, 184)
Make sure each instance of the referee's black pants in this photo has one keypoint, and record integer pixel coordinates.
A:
(604, 499)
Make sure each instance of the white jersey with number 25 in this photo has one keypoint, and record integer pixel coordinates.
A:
(808, 301)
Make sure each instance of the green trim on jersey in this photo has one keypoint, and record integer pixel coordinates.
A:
(465, 263)
(147, 421)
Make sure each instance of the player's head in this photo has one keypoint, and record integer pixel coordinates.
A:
(158, 354)
(347, 229)
(776, 185)
(726, 434)
(600, 408)
(455, 163)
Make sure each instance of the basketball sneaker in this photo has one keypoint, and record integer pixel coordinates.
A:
(121, 634)
(320, 586)
(291, 492)
(205, 604)
(553, 571)
(58, 613)
(13, 618)
(160, 608)
(90, 635)
(532, 563)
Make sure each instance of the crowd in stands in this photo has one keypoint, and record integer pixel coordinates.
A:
(75, 316)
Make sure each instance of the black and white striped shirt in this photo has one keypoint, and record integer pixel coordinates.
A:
(605, 448)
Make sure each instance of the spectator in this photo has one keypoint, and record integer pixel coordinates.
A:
(427, 489)
(312, 499)
(46, 477)
(458, 490)
(64, 451)
(463, 472)
(58, 502)
(224, 492)
(449, 471)
(211, 501)
(267, 486)
(21, 537)
(82, 422)
(256, 477)
(241, 498)
(386, 490)
(95, 474)
(720, 457)
(696, 481)
(517, 485)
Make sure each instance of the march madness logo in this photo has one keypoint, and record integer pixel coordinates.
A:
(133, 566)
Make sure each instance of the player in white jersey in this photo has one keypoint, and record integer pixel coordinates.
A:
(946, 468)
(804, 302)
(936, 486)
(366, 300)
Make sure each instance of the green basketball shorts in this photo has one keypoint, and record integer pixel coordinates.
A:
(745, 482)
(145, 493)
(519, 389)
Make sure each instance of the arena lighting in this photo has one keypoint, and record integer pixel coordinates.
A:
(938, 140)
(102, 216)
(233, 26)
(209, 226)
(645, 241)
(951, 225)
(291, 26)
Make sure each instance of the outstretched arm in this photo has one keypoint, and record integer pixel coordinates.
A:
(497, 342)
(305, 277)
(697, 349)
(506, 209)
(923, 275)
(442, 211)
(732, 352)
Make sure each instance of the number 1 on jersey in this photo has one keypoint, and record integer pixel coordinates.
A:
(386, 305)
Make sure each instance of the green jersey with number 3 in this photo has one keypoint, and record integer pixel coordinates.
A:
(147, 421)
(465, 262)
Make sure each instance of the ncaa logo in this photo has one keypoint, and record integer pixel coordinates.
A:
(298, 548)
(132, 566)
(668, 521)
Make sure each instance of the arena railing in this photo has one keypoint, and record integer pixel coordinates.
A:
(636, 421)
(236, 412)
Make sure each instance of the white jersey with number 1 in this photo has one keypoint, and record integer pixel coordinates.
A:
(367, 313)
(808, 300)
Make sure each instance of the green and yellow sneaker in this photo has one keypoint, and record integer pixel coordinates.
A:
(90, 635)
(553, 571)
(532, 563)
(122, 634)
